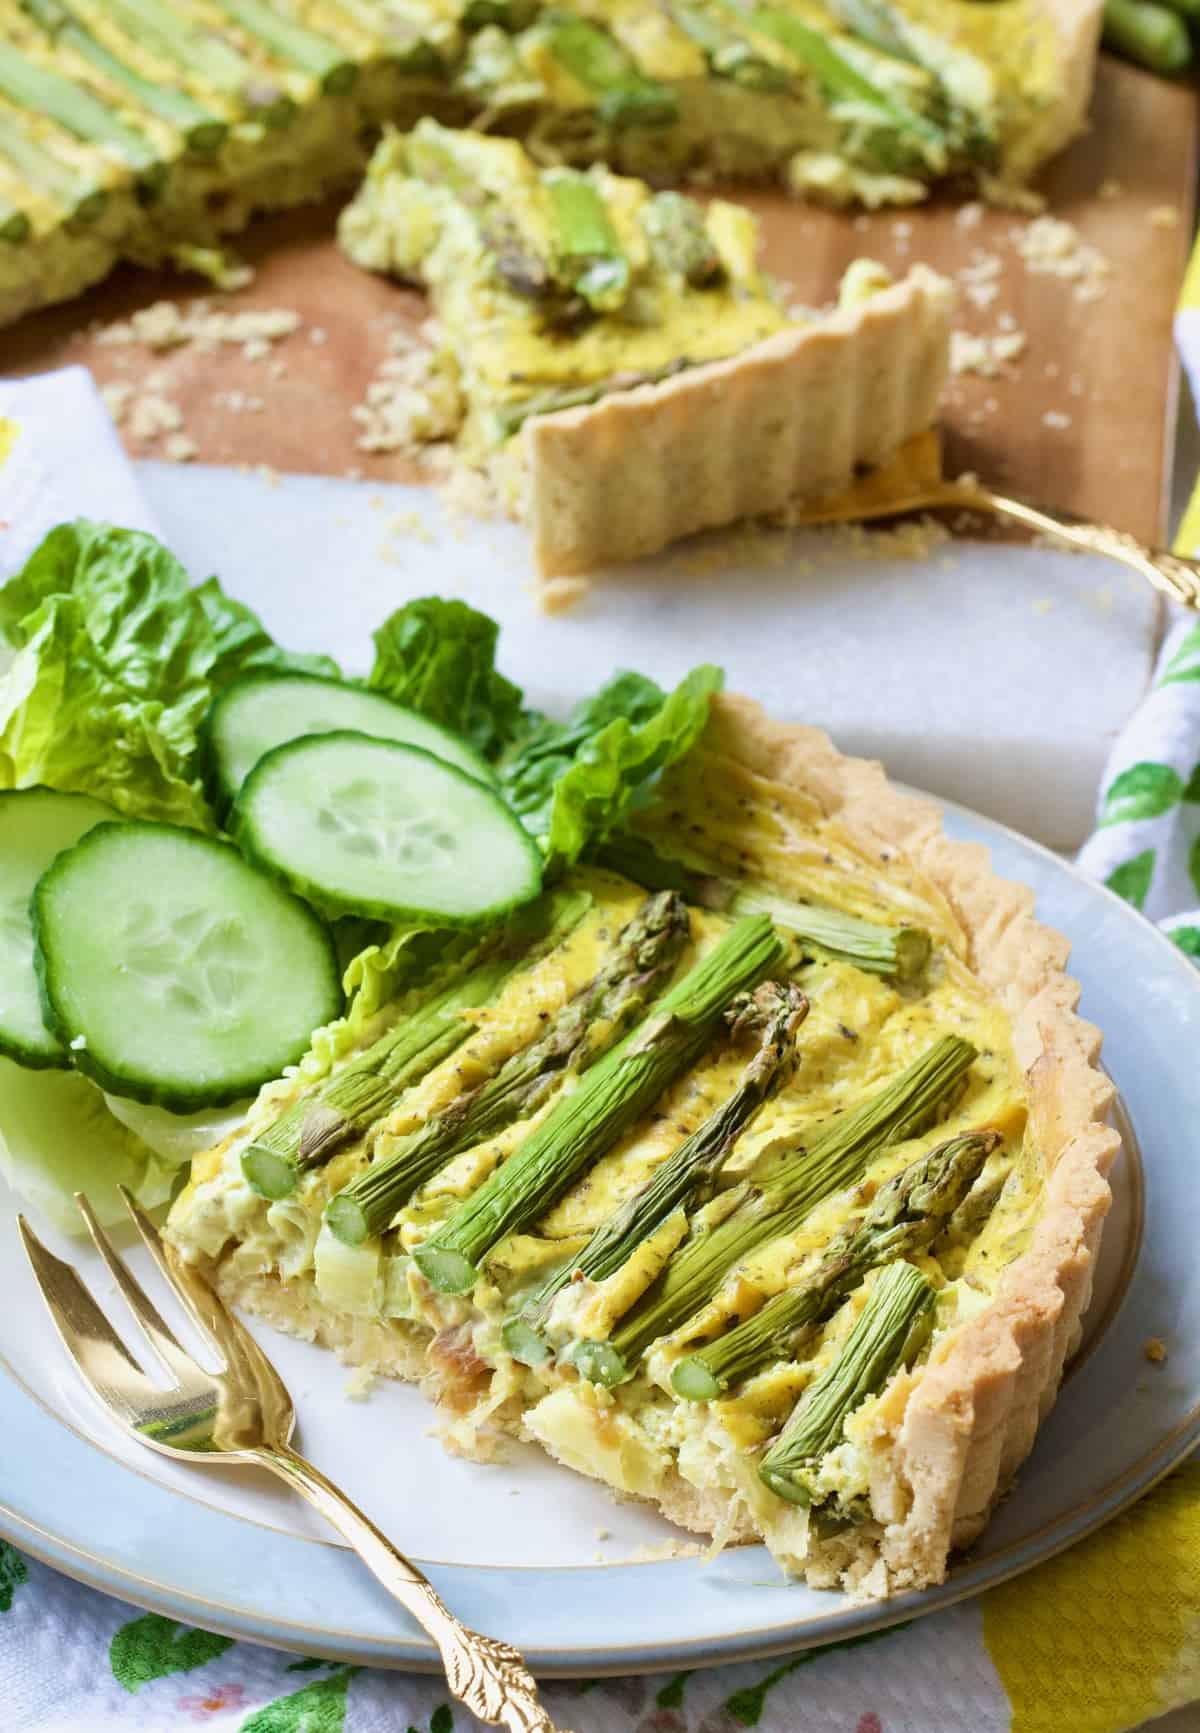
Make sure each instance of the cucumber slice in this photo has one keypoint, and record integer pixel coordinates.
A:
(267, 710)
(175, 973)
(368, 827)
(35, 825)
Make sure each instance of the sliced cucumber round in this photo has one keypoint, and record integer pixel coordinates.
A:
(263, 711)
(368, 827)
(35, 825)
(174, 972)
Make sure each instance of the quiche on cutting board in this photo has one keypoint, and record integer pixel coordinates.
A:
(758, 1171)
(612, 358)
(147, 129)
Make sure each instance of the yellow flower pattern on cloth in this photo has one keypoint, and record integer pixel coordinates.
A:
(1107, 1635)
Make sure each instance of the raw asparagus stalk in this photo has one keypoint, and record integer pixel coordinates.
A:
(836, 1159)
(898, 951)
(843, 81)
(728, 54)
(587, 253)
(1153, 35)
(587, 1026)
(294, 44)
(624, 96)
(611, 1098)
(906, 1216)
(774, 1012)
(885, 1336)
(679, 240)
(44, 173)
(204, 56)
(15, 226)
(202, 131)
(78, 112)
(309, 1132)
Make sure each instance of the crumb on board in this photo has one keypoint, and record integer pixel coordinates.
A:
(1057, 419)
(1155, 1350)
(152, 414)
(179, 447)
(975, 352)
(1049, 245)
(1163, 217)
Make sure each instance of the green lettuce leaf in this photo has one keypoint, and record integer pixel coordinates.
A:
(439, 657)
(117, 661)
(573, 782)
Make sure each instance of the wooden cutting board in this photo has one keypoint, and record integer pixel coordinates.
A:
(1082, 419)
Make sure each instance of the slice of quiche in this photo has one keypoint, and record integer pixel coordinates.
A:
(758, 1171)
(615, 361)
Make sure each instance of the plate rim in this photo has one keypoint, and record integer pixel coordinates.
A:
(408, 1649)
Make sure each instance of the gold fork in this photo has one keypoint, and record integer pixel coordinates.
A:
(243, 1413)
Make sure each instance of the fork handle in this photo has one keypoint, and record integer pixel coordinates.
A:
(488, 1676)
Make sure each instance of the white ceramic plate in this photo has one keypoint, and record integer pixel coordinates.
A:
(530, 1552)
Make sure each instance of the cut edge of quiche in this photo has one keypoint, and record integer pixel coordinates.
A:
(942, 1441)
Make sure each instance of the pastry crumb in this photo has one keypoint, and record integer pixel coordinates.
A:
(170, 325)
(1155, 1350)
(604, 1534)
(667, 1549)
(1057, 419)
(116, 397)
(360, 1383)
(1049, 245)
(559, 595)
(1110, 189)
(1163, 217)
(179, 448)
(971, 352)
(153, 414)
(1043, 605)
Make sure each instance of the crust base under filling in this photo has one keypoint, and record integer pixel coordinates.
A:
(948, 1436)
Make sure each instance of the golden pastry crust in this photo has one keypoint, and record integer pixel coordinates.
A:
(791, 418)
(960, 1426)
(1077, 25)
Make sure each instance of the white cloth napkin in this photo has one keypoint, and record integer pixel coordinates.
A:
(75, 1661)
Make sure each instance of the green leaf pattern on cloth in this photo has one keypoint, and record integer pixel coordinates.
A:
(1146, 846)
(152, 1648)
(315, 1708)
(13, 1572)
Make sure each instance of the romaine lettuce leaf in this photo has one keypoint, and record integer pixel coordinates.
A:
(439, 657)
(118, 658)
(573, 782)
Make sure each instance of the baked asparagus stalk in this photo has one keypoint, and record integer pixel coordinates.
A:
(310, 1131)
(906, 1216)
(38, 90)
(680, 243)
(35, 167)
(204, 57)
(834, 1160)
(774, 1012)
(1153, 35)
(645, 954)
(611, 1098)
(623, 95)
(728, 53)
(294, 44)
(588, 258)
(901, 952)
(886, 1334)
(202, 131)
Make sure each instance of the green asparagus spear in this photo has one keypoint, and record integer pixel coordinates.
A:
(886, 1335)
(296, 46)
(611, 1098)
(587, 253)
(203, 132)
(844, 82)
(309, 1132)
(46, 174)
(78, 112)
(836, 1159)
(774, 1012)
(511, 416)
(1153, 35)
(204, 56)
(680, 242)
(906, 1216)
(899, 951)
(728, 54)
(15, 226)
(624, 95)
(585, 1028)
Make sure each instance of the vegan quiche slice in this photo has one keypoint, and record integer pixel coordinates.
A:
(612, 358)
(757, 1171)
